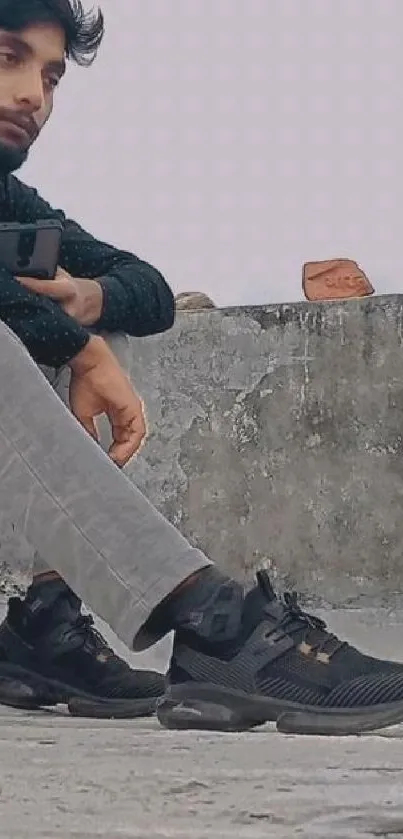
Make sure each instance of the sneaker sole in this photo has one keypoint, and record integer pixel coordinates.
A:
(118, 709)
(339, 723)
(16, 694)
(206, 707)
(20, 688)
(25, 690)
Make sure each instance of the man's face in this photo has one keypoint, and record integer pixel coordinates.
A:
(31, 66)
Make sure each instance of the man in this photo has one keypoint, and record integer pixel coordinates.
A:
(116, 293)
(239, 658)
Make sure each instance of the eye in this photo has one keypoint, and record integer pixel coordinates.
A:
(52, 82)
(8, 57)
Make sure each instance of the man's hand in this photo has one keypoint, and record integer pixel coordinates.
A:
(99, 386)
(82, 299)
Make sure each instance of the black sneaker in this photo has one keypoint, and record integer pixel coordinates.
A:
(240, 661)
(61, 658)
(21, 689)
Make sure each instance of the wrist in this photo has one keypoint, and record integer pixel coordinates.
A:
(92, 301)
(89, 356)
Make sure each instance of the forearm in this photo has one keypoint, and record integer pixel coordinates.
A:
(50, 336)
(136, 300)
(125, 302)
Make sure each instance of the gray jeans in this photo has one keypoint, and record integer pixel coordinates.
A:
(60, 381)
(82, 515)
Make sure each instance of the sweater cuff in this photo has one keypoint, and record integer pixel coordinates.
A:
(114, 305)
(59, 348)
(68, 350)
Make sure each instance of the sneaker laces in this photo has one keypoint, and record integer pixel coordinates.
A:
(295, 620)
(93, 641)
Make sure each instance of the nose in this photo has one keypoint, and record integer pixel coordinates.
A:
(29, 94)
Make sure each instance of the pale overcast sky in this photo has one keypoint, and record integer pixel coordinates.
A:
(229, 141)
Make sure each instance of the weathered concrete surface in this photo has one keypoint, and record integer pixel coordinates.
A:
(62, 778)
(276, 439)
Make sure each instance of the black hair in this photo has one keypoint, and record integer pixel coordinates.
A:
(84, 30)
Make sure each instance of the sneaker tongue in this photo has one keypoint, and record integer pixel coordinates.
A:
(258, 602)
(262, 598)
(262, 601)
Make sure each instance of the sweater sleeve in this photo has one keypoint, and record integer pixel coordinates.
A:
(50, 336)
(136, 298)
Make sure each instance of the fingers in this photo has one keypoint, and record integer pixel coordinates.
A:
(58, 289)
(121, 453)
(123, 450)
(127, 440)
(88, 423)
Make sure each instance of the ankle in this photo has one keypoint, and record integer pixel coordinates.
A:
(46, 586)
(186, 584)
(190, 591)
(50, 593)
(45, 577)
(187, 599)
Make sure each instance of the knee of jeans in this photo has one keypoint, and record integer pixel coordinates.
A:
(8, 338)
(7, 334)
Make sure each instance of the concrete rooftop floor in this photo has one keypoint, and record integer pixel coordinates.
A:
(66, 778)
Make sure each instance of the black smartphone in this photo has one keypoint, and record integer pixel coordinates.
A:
(31, 250)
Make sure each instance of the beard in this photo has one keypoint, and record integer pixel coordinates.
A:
(14, 150)
(11, 158)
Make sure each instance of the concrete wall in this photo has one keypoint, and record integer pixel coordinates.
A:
(276, 439)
